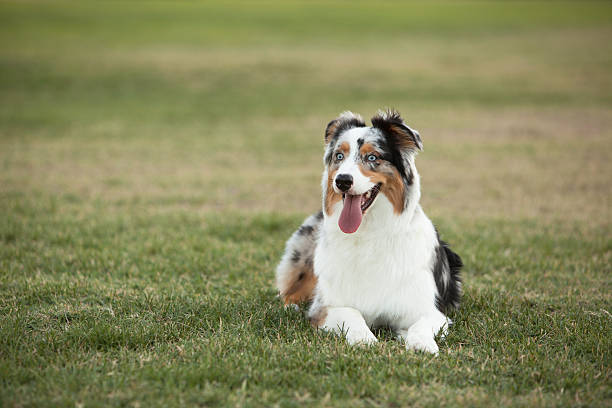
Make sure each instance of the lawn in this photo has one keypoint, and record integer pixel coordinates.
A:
(156, 156)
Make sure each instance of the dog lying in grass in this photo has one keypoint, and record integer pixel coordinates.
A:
(372, 257)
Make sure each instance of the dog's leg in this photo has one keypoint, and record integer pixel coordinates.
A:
(347, 321)
(420, 336)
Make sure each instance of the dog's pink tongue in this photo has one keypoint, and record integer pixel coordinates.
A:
(350, 218)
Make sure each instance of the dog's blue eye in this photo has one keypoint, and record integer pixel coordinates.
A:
(372, 158)
(339, 156)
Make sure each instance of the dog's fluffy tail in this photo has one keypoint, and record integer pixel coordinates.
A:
(447, 268)
(295, 278)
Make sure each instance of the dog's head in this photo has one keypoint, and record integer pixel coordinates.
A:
(362, 162)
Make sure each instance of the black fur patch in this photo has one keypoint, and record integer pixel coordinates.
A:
(360, 142)
(447, 267)
(319, 215)
(295, 257)
(339, 125)
(392, 124)
(409, 178)
(306, 230)
(308, 261)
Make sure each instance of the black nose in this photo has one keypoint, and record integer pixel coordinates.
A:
(344, 181)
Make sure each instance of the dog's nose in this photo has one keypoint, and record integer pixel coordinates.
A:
(344, 181)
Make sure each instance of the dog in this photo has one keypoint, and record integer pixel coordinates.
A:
(371, 257)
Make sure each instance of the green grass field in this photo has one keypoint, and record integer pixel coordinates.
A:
(156, 156)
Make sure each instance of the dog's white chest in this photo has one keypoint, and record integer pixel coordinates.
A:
(382, 272)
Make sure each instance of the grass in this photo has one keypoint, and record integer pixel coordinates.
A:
(155, 156)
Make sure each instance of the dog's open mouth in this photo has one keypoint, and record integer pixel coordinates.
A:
(354, 208)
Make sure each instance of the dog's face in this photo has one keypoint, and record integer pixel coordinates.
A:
(362, 162)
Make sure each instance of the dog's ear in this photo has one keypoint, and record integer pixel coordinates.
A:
(392, 125)
(345, 121)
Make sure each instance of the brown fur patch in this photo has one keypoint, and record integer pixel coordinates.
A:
(345, 147)
(404, 139)
(367, 148)
(302, 289)
(331, 197)
(318, 317)
(392, 185)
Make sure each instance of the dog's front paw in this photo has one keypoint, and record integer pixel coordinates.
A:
(362, 338)
(420, 342)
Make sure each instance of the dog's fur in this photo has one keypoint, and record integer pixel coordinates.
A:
(388, 268)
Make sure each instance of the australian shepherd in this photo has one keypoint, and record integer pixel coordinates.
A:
(372, 257)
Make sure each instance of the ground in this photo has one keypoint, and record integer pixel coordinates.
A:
(155, 157)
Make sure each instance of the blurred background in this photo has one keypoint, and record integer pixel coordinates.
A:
(155, 156)
(215, 106)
